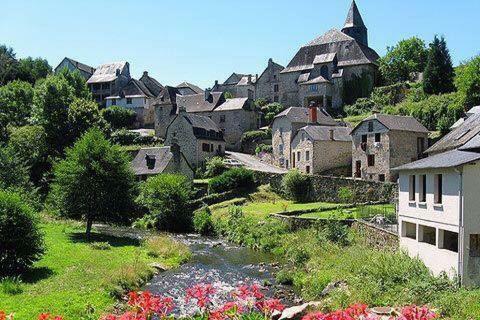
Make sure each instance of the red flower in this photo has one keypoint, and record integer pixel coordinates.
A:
(267, 307)
(201, 293)
(417, 313)
(44, 316)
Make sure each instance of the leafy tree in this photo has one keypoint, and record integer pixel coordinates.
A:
(439, 73)
(167, 196)
(77, 82)
(228, 95)
(119, 117)
(16, 99)
(94, 182)
(467, 81)
(13, 173)
(361, 106)
(21, 239)
(82, 115)
(29, 145)
(31, 70)
(408, 56)
(297, 186)
(238, 179)
(271, 110)
(215, 167)
(8, 65)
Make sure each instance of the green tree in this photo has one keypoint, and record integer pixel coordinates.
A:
(8, 65)
(439, 73)
(271, 110)
(31, 70)
(407, 56)
(214, 167)
(467, 81)
(167, 196)
(119, 117)
(82, 115)
(94, 182)
(16, 99)
(297, 186)
(13, 173)
(21, 239)
(77, 82)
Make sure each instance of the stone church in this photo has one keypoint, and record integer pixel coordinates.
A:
(331, 70)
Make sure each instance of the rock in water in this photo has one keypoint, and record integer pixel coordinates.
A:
(297, 312)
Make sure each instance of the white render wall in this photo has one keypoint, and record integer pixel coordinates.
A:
(137, 102)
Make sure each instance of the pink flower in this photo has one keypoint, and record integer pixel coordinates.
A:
(201, 293)
(417, 313)
(267, 307)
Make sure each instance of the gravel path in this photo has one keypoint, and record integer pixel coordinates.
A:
(253, 163)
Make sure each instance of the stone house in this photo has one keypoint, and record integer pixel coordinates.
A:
(156, 160)
(382, 142)
(438, 205)
(186, 88)
(73, 65)
(238, 85)
(108, 79)
(198, 137)
(268, 84)
(316, 149)
(286, 125)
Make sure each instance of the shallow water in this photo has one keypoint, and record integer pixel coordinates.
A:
(216, 262)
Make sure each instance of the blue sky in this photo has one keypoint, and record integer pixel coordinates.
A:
(201, 41)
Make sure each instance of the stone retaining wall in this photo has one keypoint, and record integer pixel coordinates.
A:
(376, 237)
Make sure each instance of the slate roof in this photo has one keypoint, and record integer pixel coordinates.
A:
(473, 110)
(459, 136)
(322, 133)
(152, 84)
(194, 88)
(448, 159)
(349, 51)
(107, 72)
(324, 58)
(162, 158)
(204, 127)
(234, 78)
(400, 123)
(244, 80)
(233, 104)
(354, 18)
(197, 102)
(79, 65)
(300, 114)
(303, 77)
(135, 88)
(318, 79)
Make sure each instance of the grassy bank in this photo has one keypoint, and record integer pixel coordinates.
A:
(331, 252)
(80, 280)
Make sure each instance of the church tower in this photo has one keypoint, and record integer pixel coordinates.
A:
(354, 26)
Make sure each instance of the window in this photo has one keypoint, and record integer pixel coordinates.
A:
(358, 169)
(420, 147)
(114, 102)
(280, 148)
(371, 160)
(377, 137)
(409, 230)
(211, 148)
(422, 196)
(438, 188)
(293, 160)
(129, 100)
(313, 88)
(222, 118)
(105, 86)
(275, 99)
(411, 188)
(474, 245)
(275, 88)
(448, 240)
(381, 177)
(324, 72)
(144, 100)
(364, 138)
(219, 148)
(298, 155)
(370, 126)
(274, 77)
(206, 147)
(307, 155)
(427, 235)
(307, 168)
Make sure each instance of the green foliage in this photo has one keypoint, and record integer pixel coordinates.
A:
(202, 221)
(297, 186)
(16, 100)
(406, 57)
(345, 194)
(254, 136)
(94, 182)
(439, 73)
(261, 102)
(388, 95)
(31, 70)
(238, 179)
(11, 285)
(8, 65)
(228, 95)
(361, 106)
(271, 110)
(100, 245)
(82, 115)
(357, 87)
(22, 242)
(467, 81)
(13, 173)
(77, 82)
(119, 117)
(268, 148)
(166, 197)
(215, 167)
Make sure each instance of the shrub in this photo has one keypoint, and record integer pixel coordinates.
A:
(166, 197)
(202, 221)
(124, 137)
(297, 186)
(263, 148)
(239, 179)
(215, 167)
(345, 194)
(119, 117)
(254, 136)
(361, 106)
(20, 238)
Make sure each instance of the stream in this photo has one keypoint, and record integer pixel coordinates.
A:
(222, 264)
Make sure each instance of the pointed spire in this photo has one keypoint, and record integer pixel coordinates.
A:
(354, 18)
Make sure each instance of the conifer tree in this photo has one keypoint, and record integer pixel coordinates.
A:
(439, 73)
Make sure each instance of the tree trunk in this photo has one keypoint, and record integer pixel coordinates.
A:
(89, 229)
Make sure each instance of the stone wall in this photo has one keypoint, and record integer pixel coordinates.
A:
(376, 237)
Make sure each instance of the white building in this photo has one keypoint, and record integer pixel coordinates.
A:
(439, 205)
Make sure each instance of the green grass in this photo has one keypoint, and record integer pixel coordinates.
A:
(354, 120)
(75, 279)
(356, 213)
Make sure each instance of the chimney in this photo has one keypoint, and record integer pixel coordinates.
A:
(208, 94)
(331, 134)
(175, 150)
(216, 83)
(249, 78)
(150, 160)
(117, 72)
(270, 61)
(312, 112)
(145, 73)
